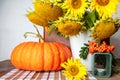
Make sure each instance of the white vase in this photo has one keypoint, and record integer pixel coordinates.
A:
(76, 42)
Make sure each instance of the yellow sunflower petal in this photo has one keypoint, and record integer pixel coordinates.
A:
(103, 30)
(75, 8)
(34, 18)
(47, 11)
(69, 28)
(74, 70)
(105, 8)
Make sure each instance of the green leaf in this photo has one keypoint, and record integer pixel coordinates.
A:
(84, 51)
(81, 51)
(90, 18)
(83, 47)
(86, 44)
(83, 55)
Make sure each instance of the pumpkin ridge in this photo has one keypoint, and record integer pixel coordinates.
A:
(59, 55)
(52, 55)
(12, 57)
(41, 58)
(47, 57)
(21, 56)
(62, 55)
(56, 56)
(21, 51)
(30, 51)
(24, 54)
(66, 49)
(33, 58)
(16, 60)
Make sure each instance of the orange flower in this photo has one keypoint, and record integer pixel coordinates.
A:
(94, 47)
(103, 47)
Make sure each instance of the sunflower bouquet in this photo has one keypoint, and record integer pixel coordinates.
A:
(70, 17)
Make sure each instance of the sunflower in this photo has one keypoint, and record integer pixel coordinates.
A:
(75, 8)
(47, 11)
(69, 28)
(56, 2)
(37, 19)
(103, 29)
(105, 8)
(74, 69)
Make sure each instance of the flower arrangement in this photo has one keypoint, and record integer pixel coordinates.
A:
(70, 17)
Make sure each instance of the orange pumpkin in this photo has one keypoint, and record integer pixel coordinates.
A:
(40, 56)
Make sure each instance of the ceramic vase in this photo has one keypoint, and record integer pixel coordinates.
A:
(76, 42)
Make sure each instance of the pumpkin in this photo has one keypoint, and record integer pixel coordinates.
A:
(40, 56)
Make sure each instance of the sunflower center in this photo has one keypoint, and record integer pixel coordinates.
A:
(73, 70)
(76, 4)
(102, 2)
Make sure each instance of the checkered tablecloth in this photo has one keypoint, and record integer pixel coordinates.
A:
(16, 74)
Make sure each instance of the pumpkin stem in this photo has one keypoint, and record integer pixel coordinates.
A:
(39, 35)
(36, 35)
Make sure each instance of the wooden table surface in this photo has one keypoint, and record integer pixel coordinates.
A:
(6, 66)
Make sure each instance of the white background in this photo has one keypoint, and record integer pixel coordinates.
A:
(13, 25)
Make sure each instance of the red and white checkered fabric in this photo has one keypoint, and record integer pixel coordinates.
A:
(16, 74)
